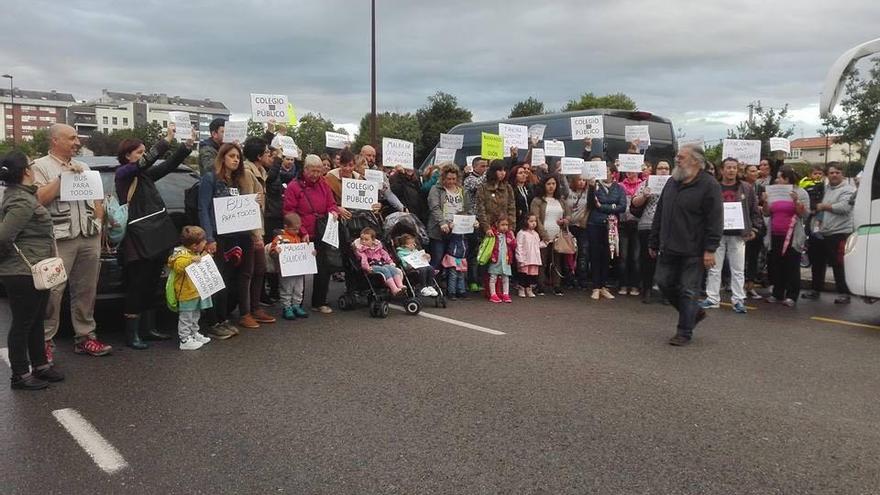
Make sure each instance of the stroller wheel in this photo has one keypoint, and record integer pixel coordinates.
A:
(344, 303)
(375, 309)
(383, 309)
(412, 306)
(441, 301)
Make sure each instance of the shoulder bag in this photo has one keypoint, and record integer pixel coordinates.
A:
(47, 273)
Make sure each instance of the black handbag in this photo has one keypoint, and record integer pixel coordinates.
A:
(152, 234)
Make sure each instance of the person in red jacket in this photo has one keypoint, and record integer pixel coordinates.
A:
(311, 198)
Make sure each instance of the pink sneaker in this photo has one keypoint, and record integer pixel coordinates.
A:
(495, 299)
(506, 298)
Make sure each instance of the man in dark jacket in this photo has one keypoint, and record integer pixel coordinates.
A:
(208, 147)
(685, 235)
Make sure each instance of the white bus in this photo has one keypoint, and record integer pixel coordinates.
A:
(862, 253)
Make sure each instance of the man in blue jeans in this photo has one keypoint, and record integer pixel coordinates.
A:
(685, 233)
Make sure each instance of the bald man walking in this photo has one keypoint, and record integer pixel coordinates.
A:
(77, 226)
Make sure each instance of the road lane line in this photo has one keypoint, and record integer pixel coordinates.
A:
(843, 322)
(99, 449)
(4, 355)
(444, 319)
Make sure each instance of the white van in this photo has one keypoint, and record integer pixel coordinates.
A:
(862, 253)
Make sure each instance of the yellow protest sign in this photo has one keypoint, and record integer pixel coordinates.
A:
(291, 115)
(492, 146)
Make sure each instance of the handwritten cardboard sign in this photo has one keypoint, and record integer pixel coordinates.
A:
(538, 157)
(631, 162)
(205, 277)
(297, 259)
(514, 135)
(536, 131)
(397, 153)
(237, 213)
(444, 155)
(336, 140)
(451, 141)
(780, 144)
(492, 146)
(82, 187)
(374, 175)
(331, 233)
(745, 150)
(572, 166)
(554, 148)
(183, 128)
(463, 224)
(595, 170)
(235, 131)
(778, 192)
(733, 216)
(656, 183)
(638, 132)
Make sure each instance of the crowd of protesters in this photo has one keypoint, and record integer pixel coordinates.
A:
(537, 233)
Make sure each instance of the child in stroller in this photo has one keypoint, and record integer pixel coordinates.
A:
(407, 249)
(374, 259)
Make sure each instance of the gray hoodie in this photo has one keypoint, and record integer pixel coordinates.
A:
(839, 219)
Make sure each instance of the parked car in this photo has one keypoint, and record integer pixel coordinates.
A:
(662, 147)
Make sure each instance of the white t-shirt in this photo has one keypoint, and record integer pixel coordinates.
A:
(552, 214)
(454, 204)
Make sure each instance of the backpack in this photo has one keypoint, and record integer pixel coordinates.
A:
(191, 204)
(171, 293)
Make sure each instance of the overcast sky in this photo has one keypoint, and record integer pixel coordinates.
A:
(699, 64)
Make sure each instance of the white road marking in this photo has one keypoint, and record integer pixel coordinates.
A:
(444, 319)
(99, 449)
(4, 355)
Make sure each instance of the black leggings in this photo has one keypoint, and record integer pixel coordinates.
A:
(648, 264)
(785, 269)
(25, 339)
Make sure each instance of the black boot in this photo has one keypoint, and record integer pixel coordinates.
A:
(132, 333)
(149, 328)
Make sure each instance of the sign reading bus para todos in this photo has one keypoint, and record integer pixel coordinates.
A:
(237, 214)
(85, 186)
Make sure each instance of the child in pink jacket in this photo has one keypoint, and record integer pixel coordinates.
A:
(374, 259)
(528, 257)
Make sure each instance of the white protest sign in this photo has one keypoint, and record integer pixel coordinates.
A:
(267, 107)
(630, 163)
(297, 259)
(780, 144)
(463, 224)
(235, 130)
(206, 277)
(554, 148)
(287, 145)
(451, 141)
(182, 125)
(572, 166)
(588, 126)
(397, 152)
(237, 214)
(696, 142)
(733, 216)
(416, 260)
(514, 135)
(84, 186)
(331, 233)
(374, 175)
(536, 131)
(470, 160)
(538, 157)
(595, 170)
(640, 132)
(747, 151)
(336, 140)
(443, 155)
(359, 194)
(656, 183)
(778, 192)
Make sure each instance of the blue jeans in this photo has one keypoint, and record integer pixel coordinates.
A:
(387, 271)
(455, 281)
(679, 278)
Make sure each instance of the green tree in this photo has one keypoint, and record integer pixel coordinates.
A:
(255, 129)
(40, 142)
(441, 113)
(713, 152)
(765, 124)
(106, 144)
(526, 108)
(587, 101)
(309, 134)
(861, 110)
(391, 125)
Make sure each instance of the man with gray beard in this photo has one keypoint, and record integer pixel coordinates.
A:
(685, 233)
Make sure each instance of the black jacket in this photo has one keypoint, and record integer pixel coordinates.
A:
(689, 218)
(409, 192)
(276, 183)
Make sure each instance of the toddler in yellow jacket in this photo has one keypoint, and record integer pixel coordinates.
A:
(189, 304)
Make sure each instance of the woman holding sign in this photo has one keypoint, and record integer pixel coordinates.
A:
(150, 234)
(228, 250)
(602, 230)
(646, 199)
(25, 227)
(787, 236)
(446, 199)
(311, 198)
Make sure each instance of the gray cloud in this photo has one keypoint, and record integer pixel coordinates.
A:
(697, 64)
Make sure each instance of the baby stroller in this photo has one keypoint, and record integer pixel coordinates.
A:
(398, 224)
(363, 289)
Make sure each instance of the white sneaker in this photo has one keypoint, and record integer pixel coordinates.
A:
(190, 345)
(426, 292)
(521, 292)
(434, 292)
(204, 339)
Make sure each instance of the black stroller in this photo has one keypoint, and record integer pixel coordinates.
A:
(398, 224)
(363, 289)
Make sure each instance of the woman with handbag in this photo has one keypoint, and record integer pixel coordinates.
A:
(579, 199)
(311, 198)
(26, 238)
(628, 267)
(787, 238)
(227, 250)
(150, 234)
(610, 201)
(553, 215)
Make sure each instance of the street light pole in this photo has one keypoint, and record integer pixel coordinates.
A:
(373, 124)
(11, 104)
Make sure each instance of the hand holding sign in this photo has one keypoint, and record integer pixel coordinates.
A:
(205, 277)
(359, 194)
(631, 163)
(572, 166)
(733, 216)
(463, 224)
(554, 148)
(268, 107)
(397, 153)
(297, 259)
(331, 233)
(237, 214)
(492, 146)
(235, 131)
(417, 260)
(81, 186)
(588, 126)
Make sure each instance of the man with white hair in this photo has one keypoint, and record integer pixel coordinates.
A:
(77, 226)
(684, 236)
